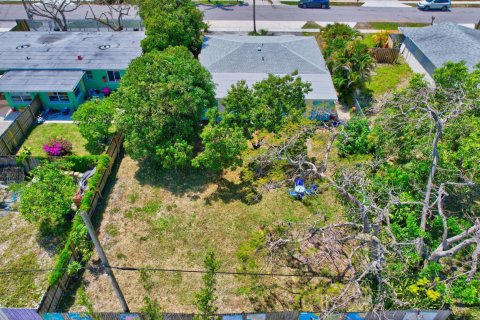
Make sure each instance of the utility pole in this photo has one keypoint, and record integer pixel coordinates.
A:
(103, 257)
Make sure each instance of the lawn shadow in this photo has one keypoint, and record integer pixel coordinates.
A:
(180, 182)
(227, 192)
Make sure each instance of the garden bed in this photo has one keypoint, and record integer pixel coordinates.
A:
(42, 134)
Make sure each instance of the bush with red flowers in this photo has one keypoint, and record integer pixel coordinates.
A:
(58, 147)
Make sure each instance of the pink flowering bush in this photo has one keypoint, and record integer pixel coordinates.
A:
(58, 147)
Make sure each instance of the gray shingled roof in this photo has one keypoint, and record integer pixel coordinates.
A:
(234, 58)
(60, 50)
(40, 80)
(446, 42)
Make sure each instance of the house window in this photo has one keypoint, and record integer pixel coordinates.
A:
(77, 91)
(58, 97)
(113, 76)
(89, 75)
(21, 97)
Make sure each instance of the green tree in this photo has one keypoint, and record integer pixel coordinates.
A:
(171, 23)
(268, 106)
(163, 96)
(46, 200)
(94, 119)
(206, 298)
(223, 146)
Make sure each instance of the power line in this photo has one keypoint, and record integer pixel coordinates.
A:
(122, 268)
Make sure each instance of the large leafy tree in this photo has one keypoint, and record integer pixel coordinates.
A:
(94, 119)
(161, 100)
(172, 23)
(266, 107)
(46, 200)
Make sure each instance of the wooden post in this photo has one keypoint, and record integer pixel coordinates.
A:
(103, 258)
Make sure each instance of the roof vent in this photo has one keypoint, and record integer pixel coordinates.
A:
(104, 47)
(259, 49)
(22, 46)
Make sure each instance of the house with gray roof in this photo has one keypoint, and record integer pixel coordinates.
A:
(63, 69)
(233, 58)
(428, 48)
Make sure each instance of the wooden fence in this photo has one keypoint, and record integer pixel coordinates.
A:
(385, 55)
(53, 295)
(16, 133)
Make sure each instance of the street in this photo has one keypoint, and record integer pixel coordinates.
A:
(292, 13)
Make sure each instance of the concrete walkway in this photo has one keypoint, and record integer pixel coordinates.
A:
(274, 26)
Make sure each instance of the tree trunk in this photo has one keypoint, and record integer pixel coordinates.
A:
(254, 19)
(428, 189)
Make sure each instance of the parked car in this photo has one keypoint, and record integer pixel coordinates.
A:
(324, 4)
(426, 5)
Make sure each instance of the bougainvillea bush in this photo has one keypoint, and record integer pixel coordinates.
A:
(58, 147)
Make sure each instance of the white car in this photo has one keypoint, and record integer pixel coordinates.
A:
(426, 5)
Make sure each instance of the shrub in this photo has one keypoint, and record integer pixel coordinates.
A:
(354, 138)
(380, 39)
(58, 147)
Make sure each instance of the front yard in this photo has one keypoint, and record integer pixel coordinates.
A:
(22, 248)
(42, 134)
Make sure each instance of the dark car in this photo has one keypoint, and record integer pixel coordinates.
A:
(314, 4)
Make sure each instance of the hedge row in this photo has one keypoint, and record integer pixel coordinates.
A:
(77, 238)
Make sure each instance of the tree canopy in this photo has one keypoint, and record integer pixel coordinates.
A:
(46, 200)
(267, 106)
(172, 23)
(347, 57)
(94, 119)
(161, 100)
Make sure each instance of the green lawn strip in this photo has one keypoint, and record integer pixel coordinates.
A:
(388, 25)
(219, 2)
(387, 77)
(311, 25)
(43, 133)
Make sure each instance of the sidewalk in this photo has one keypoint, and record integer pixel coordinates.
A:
(277, 26)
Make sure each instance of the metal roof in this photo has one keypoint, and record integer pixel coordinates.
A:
(446, 42)
(234, 58)
(40, 80)
(69, 50)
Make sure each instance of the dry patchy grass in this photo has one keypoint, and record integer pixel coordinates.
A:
(169, 221)
(20, 249)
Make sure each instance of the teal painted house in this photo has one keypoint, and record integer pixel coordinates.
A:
(63, 69)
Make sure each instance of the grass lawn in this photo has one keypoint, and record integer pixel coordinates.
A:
(388, 77)
(311, 25)
(20, 249)
(170, 220)
(388, 25)
(42, 134)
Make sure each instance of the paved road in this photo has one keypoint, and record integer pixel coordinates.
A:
(343, 14)
(291, 13)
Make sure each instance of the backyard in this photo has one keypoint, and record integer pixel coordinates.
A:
(42, 134)
(170, 220)
(388, 77)
(22, 248)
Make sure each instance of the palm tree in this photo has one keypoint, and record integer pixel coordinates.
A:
(255, 18)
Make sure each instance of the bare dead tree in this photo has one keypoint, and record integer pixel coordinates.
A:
(113, 16)
(438, 107)
(357, 251)
(54, 10)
